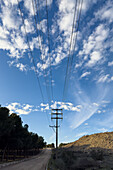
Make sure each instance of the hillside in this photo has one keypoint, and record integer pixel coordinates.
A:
(90, 152)
(98, 140)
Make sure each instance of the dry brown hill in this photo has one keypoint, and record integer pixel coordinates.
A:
(99, 140)
(90, 152)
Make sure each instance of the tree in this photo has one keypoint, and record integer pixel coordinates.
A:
(14, 135)
(41, 142)
(26, 127)
(50, 145)
(4, 126)
(4, 113)
(15, 139)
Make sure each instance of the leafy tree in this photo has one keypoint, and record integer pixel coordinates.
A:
(41, 142)
(4, 126)
(26, 127)
(16, 127)
(14, 135)
(50, 145)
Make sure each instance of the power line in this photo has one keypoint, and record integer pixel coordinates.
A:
(77, 31)
(30, 50)
(40, 28)
(75, 40)
(40, 44)
(31, 55)
(69, 50)
(70, 58)
(49, 49)
(69, 68)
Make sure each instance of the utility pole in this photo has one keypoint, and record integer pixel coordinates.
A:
(56, 114)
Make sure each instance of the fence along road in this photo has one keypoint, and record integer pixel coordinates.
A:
(38, 162)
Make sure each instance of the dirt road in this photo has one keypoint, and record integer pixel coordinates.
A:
(37, 163)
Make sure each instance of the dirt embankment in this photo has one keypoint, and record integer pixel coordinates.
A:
(98, 140)
(88, 153)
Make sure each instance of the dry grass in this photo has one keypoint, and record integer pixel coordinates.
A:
(89, 152)
(99, 140)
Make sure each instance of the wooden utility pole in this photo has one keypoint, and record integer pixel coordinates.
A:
(56, 114)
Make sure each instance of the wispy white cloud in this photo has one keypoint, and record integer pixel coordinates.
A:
(96, 104)
(66, 106)
(20, 108)
(90, 104)
(105, 78)
(43, 26)
(99, 111)
(29, 26)
(28, 6)
(11, 38)
(43, 3)
(3, 32)
(27, 108)
(86, 112)
(105, 101)
(12, 2)
(95, 56)
(85, 74)
(105, 13)
(93, 47)
(22, 111)
(112, 78)
(98, 40)
(110, 63)
(9, 16)
(15, 41)
(21, 67)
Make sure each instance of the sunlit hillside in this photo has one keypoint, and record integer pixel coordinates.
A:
(88, 153)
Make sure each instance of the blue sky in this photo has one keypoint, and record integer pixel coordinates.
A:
(88, 99)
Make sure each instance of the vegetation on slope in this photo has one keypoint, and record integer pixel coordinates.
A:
(102, 140)
(88, 153)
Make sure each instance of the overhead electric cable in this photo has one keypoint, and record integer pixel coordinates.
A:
(75, 38)
(69, 68)
(40, 45)
(30, 50)
(75, 41)
(48, 36)
(75, 9)
(69, 53)
(32, 56)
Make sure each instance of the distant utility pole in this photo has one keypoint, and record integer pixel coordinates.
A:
(56, 114)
